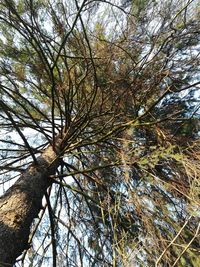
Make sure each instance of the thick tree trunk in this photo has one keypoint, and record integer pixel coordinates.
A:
(21, 204)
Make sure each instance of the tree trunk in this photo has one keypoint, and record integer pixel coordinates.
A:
(21, 204)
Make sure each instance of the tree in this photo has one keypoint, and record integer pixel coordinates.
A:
(100, 133)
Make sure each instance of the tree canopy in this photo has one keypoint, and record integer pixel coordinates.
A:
(113, 88)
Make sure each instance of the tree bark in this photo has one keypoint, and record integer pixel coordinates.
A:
(21, 204)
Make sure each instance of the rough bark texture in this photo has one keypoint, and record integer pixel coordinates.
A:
(21, 204)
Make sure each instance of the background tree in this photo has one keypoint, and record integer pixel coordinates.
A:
(99, 133)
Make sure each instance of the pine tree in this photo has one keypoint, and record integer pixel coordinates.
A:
(99, 114)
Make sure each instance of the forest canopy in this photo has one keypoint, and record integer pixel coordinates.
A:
(99, 133)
